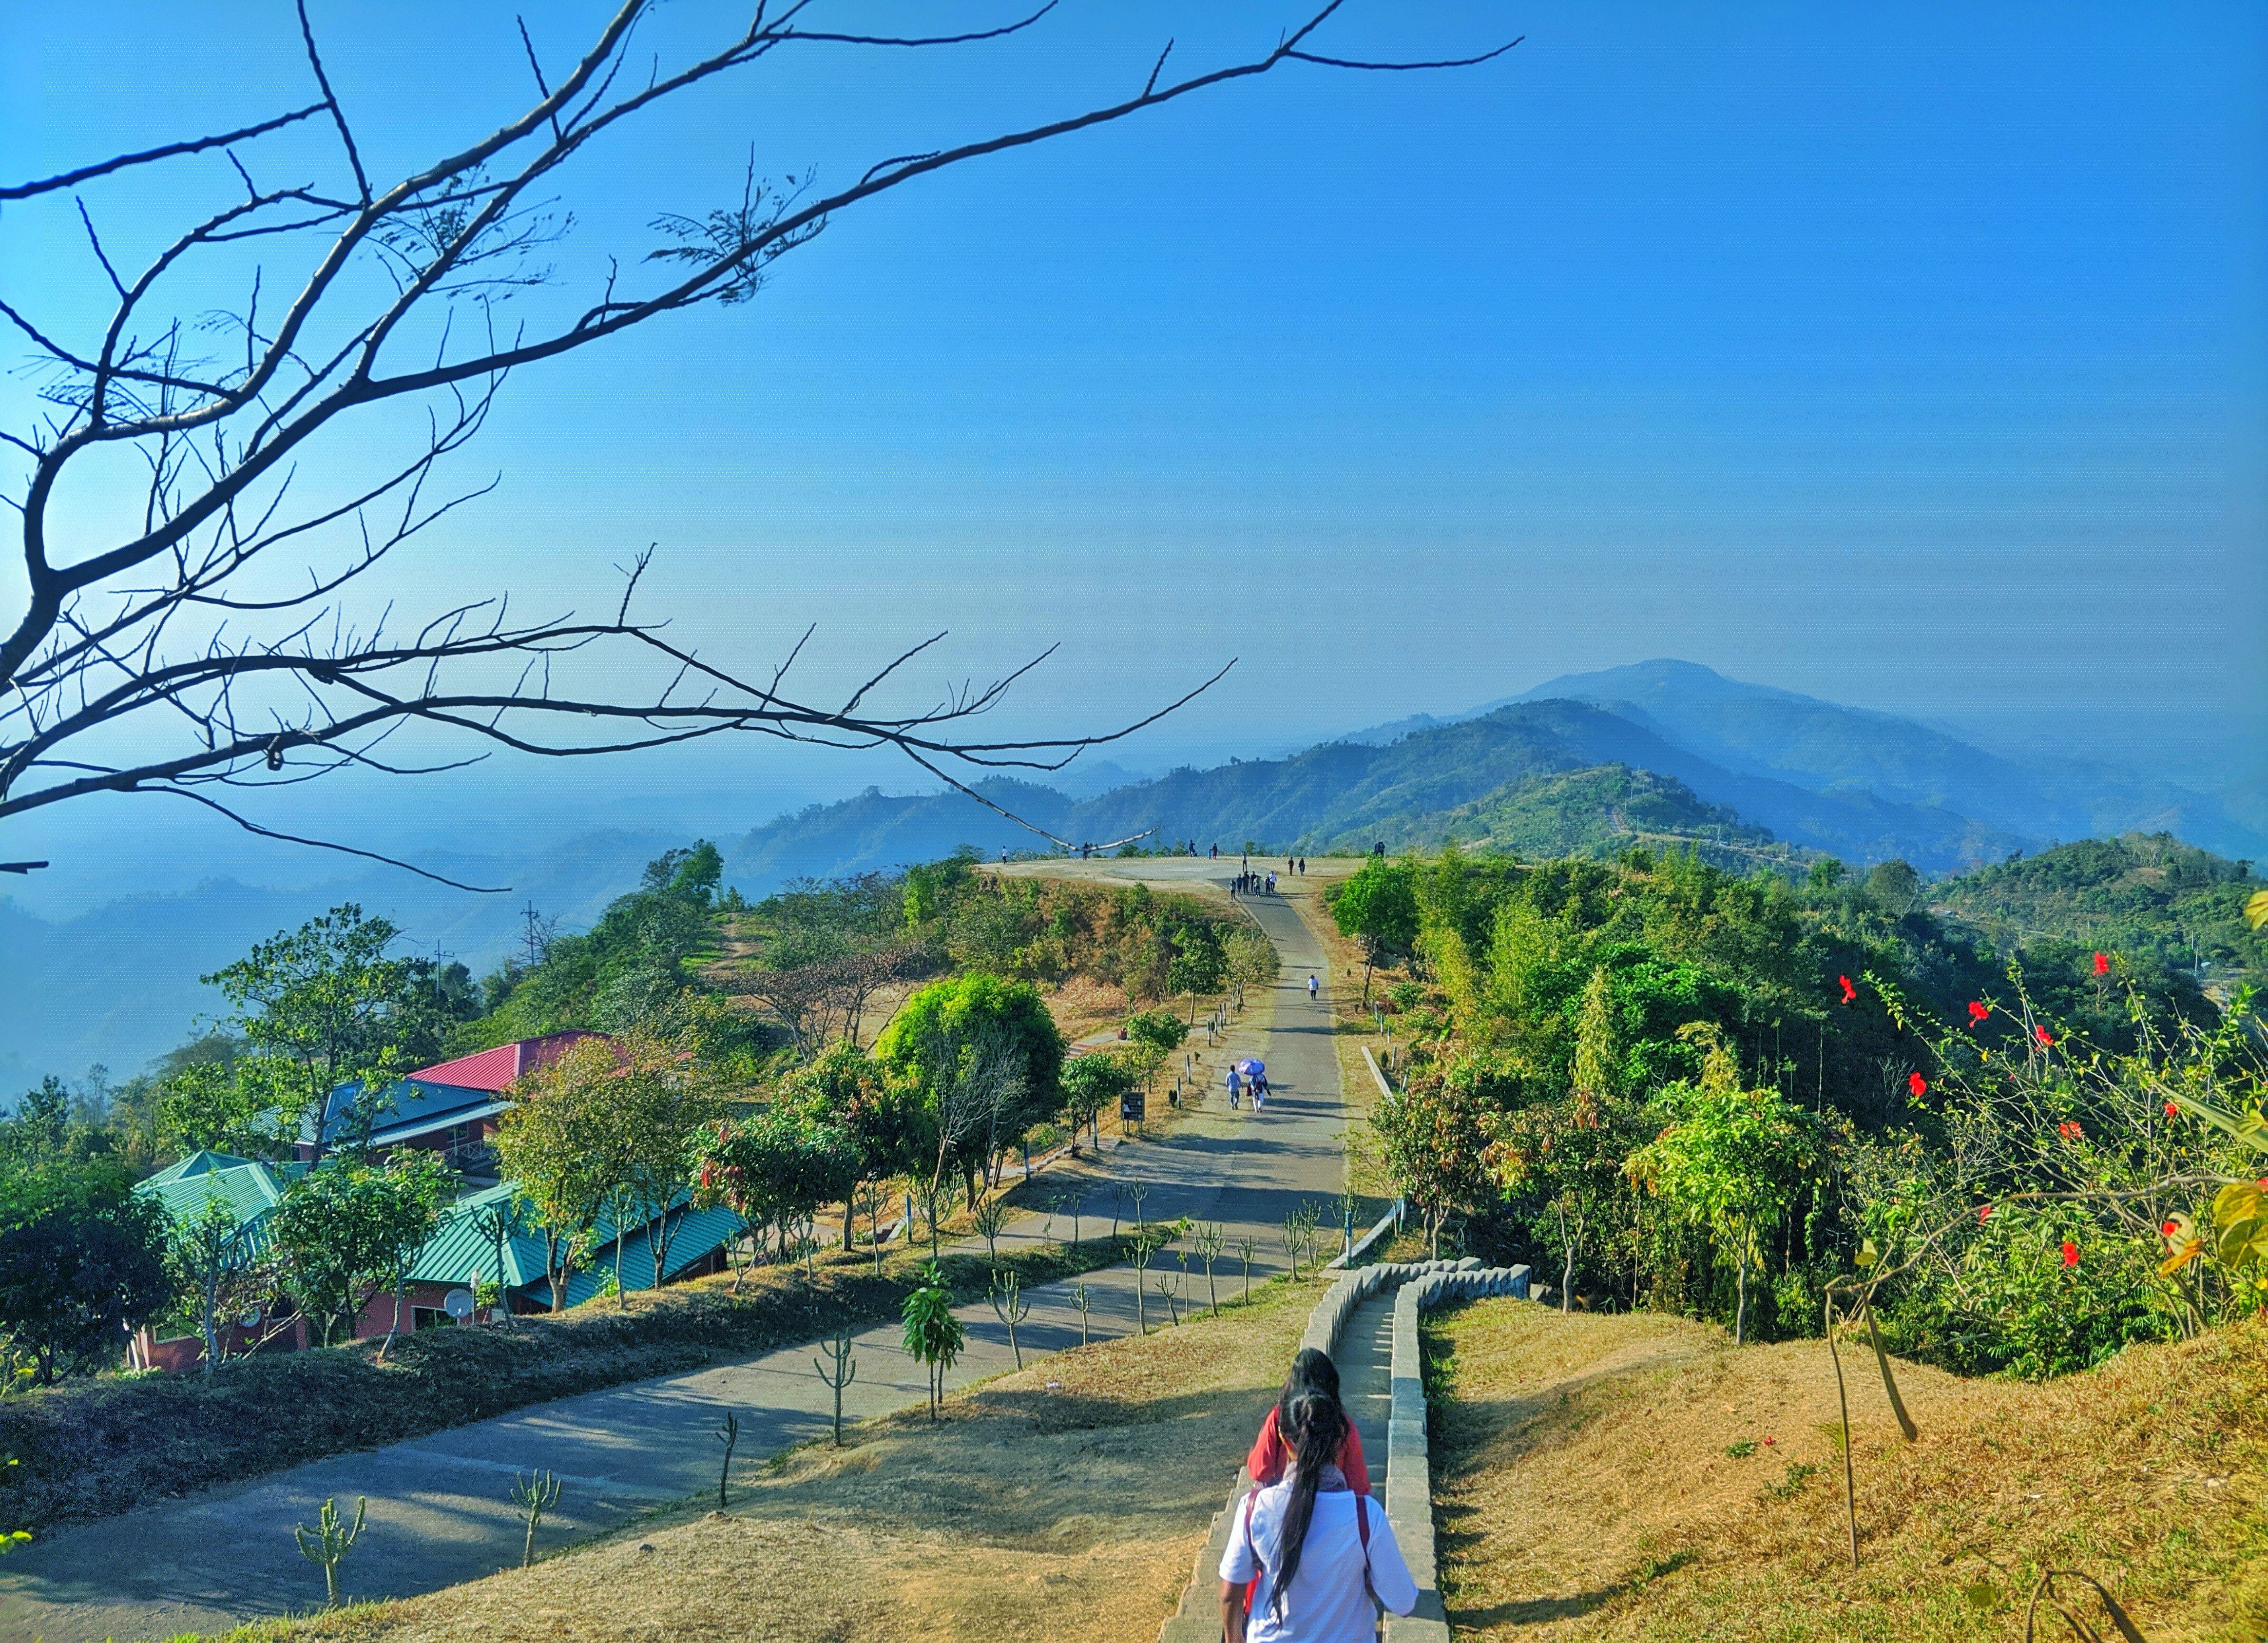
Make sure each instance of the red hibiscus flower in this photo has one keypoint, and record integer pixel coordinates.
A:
(1918, 1083)
(2170, 1228)
(2172, 1111)
(2046, 1038)
(1978, 1012)
(2102, 963)
(1850, 993)
(2070, 1253)
(2069, 1129)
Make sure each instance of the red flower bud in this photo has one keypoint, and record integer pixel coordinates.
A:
(2069, 1129)
(1918, 1083)
(2172, 1111)
(2170, 1228)
(2047, 1039)
(1983, 1210)
(2070, 1253)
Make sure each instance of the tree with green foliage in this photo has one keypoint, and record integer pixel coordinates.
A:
(209, 1255)
(844, 1092)
(773, 1169)
(1730, 1160)
(1380, 906)
(553, 1145)
(1091, 1083)
(349, 1229)
(660, 1104)
(415, 1189)
(323, 1008)
(82, 1261)
(981, 1060)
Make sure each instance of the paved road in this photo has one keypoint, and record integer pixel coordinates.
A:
(439, 1508)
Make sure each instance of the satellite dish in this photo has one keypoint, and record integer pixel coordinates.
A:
(458, 1303)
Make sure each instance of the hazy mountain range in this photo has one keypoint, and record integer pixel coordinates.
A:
(1580, 762)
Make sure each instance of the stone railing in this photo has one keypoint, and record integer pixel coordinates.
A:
(1408, 1466)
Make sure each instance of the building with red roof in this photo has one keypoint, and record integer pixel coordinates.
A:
(492, 1069)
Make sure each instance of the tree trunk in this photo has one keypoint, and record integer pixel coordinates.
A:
(849, 1228)
(1741, 1306)
(212, 1324)
(622, 1292)
(394, 1327)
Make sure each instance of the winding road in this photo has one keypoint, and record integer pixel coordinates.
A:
(440, 1509)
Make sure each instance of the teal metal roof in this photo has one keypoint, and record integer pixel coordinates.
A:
(464, 1249)
(249, 1187)
(700, 1234)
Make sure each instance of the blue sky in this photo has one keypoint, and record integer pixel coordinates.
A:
(1910, 356)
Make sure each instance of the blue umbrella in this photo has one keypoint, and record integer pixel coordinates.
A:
(1251, 1068)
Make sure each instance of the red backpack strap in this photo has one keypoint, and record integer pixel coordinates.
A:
(1253, 1584)
(1362, 1533)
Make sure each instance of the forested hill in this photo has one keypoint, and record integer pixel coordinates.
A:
(1352, 791)
(2149, 897)
(1600, 812)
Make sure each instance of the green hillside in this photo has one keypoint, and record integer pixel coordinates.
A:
(1598, 812)
(2148, 897)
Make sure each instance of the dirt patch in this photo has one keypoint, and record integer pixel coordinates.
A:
(1634, 1476)
(1065, 1503)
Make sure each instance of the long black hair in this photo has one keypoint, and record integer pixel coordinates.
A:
(1311, 1371)
(1313, 1428)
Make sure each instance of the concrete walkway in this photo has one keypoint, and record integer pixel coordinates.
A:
(439, 1505)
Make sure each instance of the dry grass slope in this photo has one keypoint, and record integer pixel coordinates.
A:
(1592, 1479)
(1069, 1512)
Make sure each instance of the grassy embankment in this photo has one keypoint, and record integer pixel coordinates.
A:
(1065, 1502)
(91, 1449)
(1634, 1476)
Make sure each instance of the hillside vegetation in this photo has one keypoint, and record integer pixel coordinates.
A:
(2157, 902)
(1635, 1477)
(1600, 812)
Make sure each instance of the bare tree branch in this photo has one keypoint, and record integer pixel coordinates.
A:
(170, 151)
(179, 625)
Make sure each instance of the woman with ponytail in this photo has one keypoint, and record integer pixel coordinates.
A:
(1324, 1556)
(1271, 1456)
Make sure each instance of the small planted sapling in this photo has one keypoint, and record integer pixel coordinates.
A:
(838, 1372)
(1083, 1299)
(1211, 1239)
(1011, 1308)
(535, 1493)
(933, 1336)
(329, 1543)
(1247, 1247)
(990, 1217)
(1117, 1206)
(1136, 1191)
(729, 1435)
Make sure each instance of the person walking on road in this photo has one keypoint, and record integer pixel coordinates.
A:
(1235, 1088)
(1313, 987)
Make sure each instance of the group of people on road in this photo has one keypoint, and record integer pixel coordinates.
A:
(1251, 883)
(1255, 1081)
(1311, 1558)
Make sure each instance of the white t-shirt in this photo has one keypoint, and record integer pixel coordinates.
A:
(1326, 1602)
